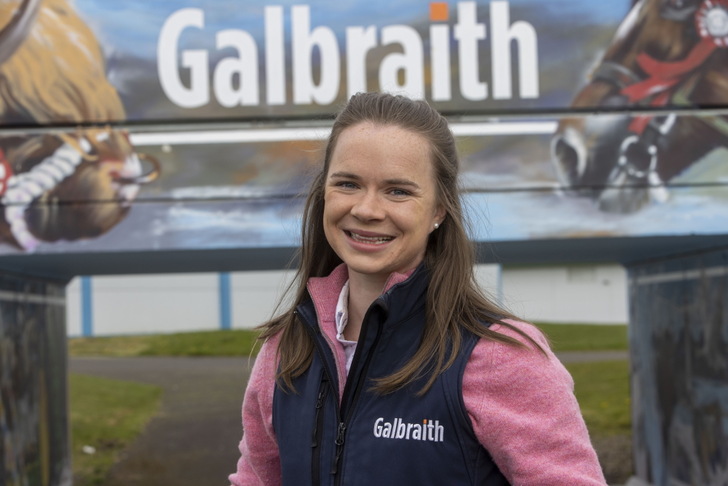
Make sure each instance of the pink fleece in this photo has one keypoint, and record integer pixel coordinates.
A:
(524, 412)
(520, 402)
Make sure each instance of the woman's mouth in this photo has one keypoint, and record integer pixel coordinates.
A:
(370, 240)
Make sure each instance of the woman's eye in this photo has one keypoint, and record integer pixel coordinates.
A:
(400, 192)
(346, 185)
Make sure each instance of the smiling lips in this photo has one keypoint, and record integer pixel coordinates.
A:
(370, 240)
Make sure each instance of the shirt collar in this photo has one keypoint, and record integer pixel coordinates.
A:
(342, 312)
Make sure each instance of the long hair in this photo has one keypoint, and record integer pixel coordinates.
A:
(454, 303)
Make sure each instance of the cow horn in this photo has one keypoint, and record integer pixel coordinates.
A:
(15, 32)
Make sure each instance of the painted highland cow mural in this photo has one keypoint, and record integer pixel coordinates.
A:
(62, 183)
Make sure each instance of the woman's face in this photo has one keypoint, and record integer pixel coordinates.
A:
(380, 200)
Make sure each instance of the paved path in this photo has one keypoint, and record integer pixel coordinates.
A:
(193, 440)
(586, 356)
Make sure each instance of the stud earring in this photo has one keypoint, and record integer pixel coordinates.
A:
(437, 225)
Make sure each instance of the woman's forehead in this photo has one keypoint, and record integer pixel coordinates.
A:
(385, 149)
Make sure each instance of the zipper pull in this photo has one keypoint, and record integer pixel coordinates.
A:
(340, 434)
(321, 396)
(319, 405)
(339, 446)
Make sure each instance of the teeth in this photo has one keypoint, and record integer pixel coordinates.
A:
(377, 240)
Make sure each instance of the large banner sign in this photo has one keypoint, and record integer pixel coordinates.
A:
(186, 59)
(327, 62)
(180, 124)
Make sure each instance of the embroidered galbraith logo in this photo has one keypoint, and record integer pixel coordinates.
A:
(429, 430)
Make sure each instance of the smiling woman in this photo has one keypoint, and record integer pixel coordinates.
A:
(388, 326)
(380, 205)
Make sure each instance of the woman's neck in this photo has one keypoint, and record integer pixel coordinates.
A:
(362, 292)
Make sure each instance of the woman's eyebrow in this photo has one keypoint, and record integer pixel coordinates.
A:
(343, 175)
(402, 182)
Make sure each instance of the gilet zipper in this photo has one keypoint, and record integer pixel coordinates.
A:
(318, 431)
(328, 378)
(353, 388)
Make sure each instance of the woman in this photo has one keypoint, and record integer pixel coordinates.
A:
(391, 367)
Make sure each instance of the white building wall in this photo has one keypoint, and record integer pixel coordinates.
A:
(73, 308)
(490, 278)
(593, 294)
(140, 304)
(254, 296)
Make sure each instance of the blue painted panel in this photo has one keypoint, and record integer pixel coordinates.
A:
(678, 340)
(87, 311)
(224, 290)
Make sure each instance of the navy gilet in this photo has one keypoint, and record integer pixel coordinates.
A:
(395, 439)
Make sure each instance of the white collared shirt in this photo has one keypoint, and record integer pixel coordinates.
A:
(342, 319)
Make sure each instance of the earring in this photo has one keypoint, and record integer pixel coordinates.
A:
(437, 225)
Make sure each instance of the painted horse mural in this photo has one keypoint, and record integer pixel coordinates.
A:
(72, 183)
(666, 53)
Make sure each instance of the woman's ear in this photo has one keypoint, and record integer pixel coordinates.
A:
(440, 214)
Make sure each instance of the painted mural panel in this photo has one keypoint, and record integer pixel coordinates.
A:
(34, 438)
(559, 108)
(678, 338)
(232, 193)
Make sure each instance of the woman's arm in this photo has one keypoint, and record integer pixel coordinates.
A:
(259, 462)
(524, 412)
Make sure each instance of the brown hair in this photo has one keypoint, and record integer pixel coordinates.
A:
(454, 300)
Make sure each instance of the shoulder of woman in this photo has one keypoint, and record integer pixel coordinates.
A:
(502, 359)
(266, 362)
(511, 328)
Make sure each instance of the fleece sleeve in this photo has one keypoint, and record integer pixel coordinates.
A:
(259, 462)
(525, 414)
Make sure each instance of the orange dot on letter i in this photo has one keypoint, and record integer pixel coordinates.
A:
(438, 11)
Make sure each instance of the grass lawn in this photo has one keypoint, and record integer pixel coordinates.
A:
(242, 342)
(602, 389)
(236, 342)
(586, 337)
(106, 415)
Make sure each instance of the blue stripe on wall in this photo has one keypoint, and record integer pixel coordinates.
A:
(225, 303)
(87, 318)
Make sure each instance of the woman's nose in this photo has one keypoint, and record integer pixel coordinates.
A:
(368, 206)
